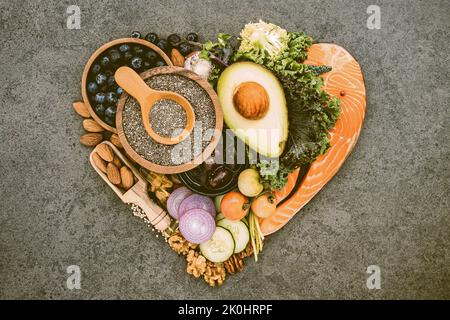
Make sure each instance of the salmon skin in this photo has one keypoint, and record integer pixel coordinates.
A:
(346, 82)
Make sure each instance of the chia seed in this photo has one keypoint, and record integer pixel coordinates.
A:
(167, 116)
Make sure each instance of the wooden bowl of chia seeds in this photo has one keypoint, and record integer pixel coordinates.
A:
(168, 119)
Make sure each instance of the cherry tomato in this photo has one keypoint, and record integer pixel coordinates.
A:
(264, 206)
(234, 205)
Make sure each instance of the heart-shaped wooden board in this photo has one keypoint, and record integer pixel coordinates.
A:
(346, 82)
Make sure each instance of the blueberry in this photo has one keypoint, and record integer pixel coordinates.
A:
(104, 61)
(152, 37)
(92, 87)
(136, 34)
(146, 65)
(101, 79)
(127, 56)
(160, 63)
(192, 37)
(110, 112)
(111, 81)
(150, 55)
(119, 91)
(108, 73)
(100, 97)
(136, 63)
(111, 98)
(185, 48)
(173, 39)
(163, 45)
(100, 110)
(138, 50)
(124, 48)
(95, 68)
(114, 56)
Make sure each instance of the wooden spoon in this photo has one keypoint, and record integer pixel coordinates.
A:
(137, 194)
(133, 84)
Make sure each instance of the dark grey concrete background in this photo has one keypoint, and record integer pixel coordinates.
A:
(388, 206)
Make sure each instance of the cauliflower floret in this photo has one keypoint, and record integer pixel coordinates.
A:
(267, 36)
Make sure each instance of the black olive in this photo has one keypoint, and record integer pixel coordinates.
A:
(219, 177)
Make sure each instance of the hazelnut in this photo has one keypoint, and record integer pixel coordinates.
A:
(251, 100)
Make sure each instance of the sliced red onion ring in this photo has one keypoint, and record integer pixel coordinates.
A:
(197, 226)
(197, 201)
(175, 199)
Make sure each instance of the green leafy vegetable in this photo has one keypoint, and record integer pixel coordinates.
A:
(311, 111)
(273, 173)
(318, 70)
(220, 54)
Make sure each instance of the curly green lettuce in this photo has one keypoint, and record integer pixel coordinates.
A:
(311, 111)
(273, 174)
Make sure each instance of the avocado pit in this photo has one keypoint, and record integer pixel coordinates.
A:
(251, 100)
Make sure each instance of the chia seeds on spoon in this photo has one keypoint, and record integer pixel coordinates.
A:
(168, 119)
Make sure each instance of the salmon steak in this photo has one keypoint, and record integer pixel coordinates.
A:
(346, 82)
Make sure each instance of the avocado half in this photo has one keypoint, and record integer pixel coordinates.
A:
(266, 135)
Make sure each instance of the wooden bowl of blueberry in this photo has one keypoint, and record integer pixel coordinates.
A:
(98, 86)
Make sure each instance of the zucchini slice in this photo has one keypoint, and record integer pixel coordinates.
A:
(220, 247)
(240, 233)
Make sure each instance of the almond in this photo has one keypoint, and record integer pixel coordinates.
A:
(177, 58)
(81, 109)
(117, 162)
(105, 152)
(90, 125)
(99, 162)
(91, 139)
(113, 173)
(127, 177)
(116, 141)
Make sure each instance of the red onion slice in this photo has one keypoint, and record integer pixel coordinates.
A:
(197, 201)
(175, 199)
(197, 226)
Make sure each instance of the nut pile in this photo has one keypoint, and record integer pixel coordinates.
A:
(110, 164)
(213, 273)
(94, 132)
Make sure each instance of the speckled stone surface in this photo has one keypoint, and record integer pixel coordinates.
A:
(388, 205)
